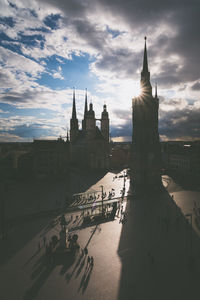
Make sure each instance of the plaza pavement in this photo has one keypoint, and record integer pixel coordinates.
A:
(146, 258)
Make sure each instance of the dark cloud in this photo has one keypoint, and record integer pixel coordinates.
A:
(123, 130)
(14, 97)
(182, 16)
(174, 124)
(33, 130)
(90, 33)
(196, 86)
(122, 62)
(126, 128)
(180, 123)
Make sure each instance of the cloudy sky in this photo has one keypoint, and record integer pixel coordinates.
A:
(48, 47)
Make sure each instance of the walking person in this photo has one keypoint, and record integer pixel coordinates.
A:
(88, 261)
(92, 261)
(121, 210)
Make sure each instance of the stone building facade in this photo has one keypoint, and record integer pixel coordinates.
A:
(89, 145)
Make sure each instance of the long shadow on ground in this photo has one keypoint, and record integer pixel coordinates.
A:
(42, 270)
(19, 236)
(156, 246)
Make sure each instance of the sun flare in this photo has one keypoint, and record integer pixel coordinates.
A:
(136, 89)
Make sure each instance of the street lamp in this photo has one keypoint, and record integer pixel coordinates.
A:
(101, 198)
(124, 180)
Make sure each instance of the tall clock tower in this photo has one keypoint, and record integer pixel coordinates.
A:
(145, 153)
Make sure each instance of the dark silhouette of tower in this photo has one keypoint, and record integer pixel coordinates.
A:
(73, 121)
(85, 112)
(145, 154)
(105, 123)
(90, 123)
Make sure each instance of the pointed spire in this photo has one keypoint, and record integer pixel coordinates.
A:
(86, 105)
(74, 105)
(156, 93)
(67, 135)
(145, 61)
(145, 74)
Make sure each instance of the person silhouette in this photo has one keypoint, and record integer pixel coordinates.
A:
(92, 261)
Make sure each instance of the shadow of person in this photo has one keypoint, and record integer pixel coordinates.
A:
(87, 279)
(41, 274)
(44, 268)
(81, 267)
(68, 276)
(29, 260)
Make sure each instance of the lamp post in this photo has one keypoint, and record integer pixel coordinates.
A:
(101, 198)
(124, 180)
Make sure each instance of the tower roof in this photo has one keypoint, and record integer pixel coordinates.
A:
(104, 113)
(74, 106)
(90, 113)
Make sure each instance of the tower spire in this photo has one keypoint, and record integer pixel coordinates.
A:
(86, 105)
(156, 92)
(145, 60)
(74, 105)
(145, 74)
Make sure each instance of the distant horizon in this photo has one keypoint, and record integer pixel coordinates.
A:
(115, 140)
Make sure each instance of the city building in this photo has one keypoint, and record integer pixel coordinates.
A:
(182, 160)
(10, 155)
(120, 155)
(89, 145)
(145, 153)
(51, 157)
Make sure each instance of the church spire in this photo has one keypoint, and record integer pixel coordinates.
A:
(145, 60)
(86, 105)
(145, 74)
(74, 105)
(73, 121)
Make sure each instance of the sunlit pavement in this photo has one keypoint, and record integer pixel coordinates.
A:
(123, 266)
(31, 279)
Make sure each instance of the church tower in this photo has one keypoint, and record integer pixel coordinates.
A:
(90, 123)
(73, 121)
(105, 123)
(85, 112)
(145, 154)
